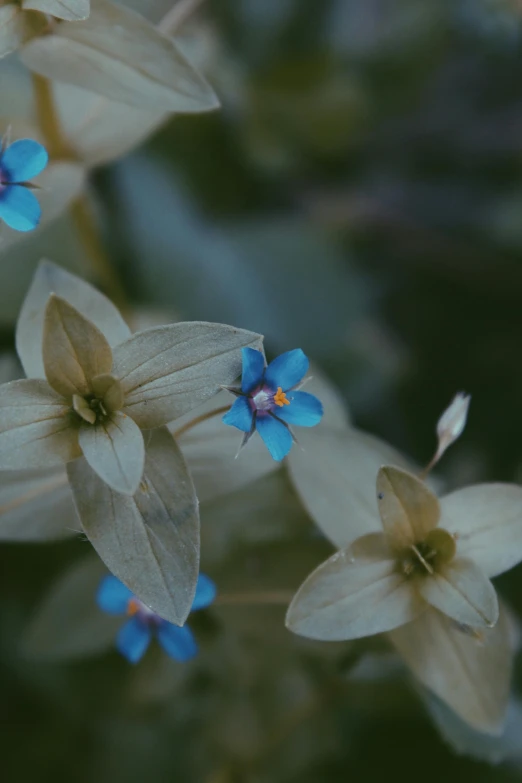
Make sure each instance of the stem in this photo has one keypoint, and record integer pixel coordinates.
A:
(272, 598)
(177, 15)
(48, 120)
(204, 416)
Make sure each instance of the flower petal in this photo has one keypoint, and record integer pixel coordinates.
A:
(287, 370)
(470, 671)
(462, 592)
(205, 592)
(113, 596)
(253, 369)
(23, 160)
(240, 415)
(19, 207)
(168, 370)
(133, 639)
(74, 350)
(305, 410)
(276, 436)
(178, 643)
(69, 10)
(408, 509)
(351, 596)
(93, 305)
(115, 451)
(35, 427)
(149, 541)
(487, 522)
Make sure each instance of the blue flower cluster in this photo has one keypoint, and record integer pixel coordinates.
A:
(269, 402)
(20, 162)
(135, 635)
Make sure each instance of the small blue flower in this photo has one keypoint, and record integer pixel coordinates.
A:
(135, 635)
(263, 404)
(20, 162)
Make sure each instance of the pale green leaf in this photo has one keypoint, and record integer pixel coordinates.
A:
(36, 430)
(18, 27)
(120, 55)
(69, 624)
(166, 371)
(93, 305)
(36, 505)
(115, 451)
(461, 591)
(69, 10)
(487, 522)
(74, 349)
(408, 509)
(149, 541)
(469, 670)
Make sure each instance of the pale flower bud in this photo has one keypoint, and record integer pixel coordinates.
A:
(452, 422)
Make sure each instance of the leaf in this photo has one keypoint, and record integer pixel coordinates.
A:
(334, 473)
(470, 671)
(487, 522)
(89, 302)
(168, 370)
(35, 427)
(120, 55)
(149, 541)
(408, 509)
(18, 27)
(115, 451)
(69, 10)
(353, 595)
(36, 505)
(74, 350)
(69, 624)
(461, 591)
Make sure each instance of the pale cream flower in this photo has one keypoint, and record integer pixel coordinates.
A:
(22, 21)
(424, 577)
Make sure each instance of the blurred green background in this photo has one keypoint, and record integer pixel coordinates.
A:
(359, 196)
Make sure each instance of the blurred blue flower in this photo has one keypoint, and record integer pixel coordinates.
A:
(263, 404)
(135, 635)
(19, 162)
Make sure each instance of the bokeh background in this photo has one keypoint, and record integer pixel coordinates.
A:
(359, 195)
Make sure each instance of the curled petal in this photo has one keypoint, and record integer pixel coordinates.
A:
(113, 596)
(462, 592)
(178, 643)
(305, 410)
(133, 639)
(408, 509)
(205, 592)
(287, 370)
(23, 160)
(19, 207)
(253, 369)
(240, 415)
(276, 436)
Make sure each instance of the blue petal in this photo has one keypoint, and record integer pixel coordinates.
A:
(253, 369)
(19, 207)
(287, 370)
(304, 410)
(205, 592)
(23, 160)
(276, 436)
(112, 595)
(178, 643)
(240, 415)
(133, 639)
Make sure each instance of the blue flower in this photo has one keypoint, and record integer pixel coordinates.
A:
(20, 162)
(263, 404)
(135, 635)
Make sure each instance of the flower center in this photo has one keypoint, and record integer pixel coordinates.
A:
(427, 556)
(280, 398)
(106, 397)
(264, 399)
(136, 607)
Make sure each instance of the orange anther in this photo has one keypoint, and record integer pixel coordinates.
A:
(280, 397)
(132, 606)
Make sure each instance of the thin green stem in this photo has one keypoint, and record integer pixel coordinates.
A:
(204, 416)
(269, 598)
(177, 15)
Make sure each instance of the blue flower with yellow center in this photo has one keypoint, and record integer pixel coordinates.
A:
(269, 401)
(135, 635)
(19, 162)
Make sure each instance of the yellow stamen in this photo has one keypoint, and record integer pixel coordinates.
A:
(132, 607)
(280, 398)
